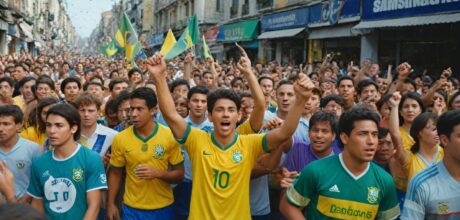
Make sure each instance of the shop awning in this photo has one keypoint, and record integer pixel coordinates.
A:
(241, 31)
(26, 30)
(281, 33)
(330, 32)
(411, 21)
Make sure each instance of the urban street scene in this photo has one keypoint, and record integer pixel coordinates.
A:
(229, 109)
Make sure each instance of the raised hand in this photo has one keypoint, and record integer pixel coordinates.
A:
(189, 58)
(6, 181)
(244, 64)
(156, 66)
(394, 101)
(303, 86)
(404, 69)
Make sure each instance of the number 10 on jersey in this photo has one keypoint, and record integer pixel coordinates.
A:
(221, 179)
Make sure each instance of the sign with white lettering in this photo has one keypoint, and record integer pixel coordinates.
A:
(285, 20)
(385, 9)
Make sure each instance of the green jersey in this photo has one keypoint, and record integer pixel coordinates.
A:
(329, 190)
(62, 184)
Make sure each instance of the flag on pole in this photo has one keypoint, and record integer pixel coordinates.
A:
(169, 42)
(109, 49)
(206, 51)
(126, 38)
(188, 38)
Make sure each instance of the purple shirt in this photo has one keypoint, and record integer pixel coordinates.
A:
(301, 155)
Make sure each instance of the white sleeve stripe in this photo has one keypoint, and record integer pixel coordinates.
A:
(102, 187)
(34, 196)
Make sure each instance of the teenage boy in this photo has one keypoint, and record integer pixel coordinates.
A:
(222, 161)
(67, 182)
(15, 150)
(152, 160)
(348, 185)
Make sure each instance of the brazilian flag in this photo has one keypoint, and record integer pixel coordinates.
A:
(126, 39)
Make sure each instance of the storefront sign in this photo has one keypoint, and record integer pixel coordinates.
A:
(285, 20)
(241, 31)
(332, 12)
(383, 9)
(154, 40)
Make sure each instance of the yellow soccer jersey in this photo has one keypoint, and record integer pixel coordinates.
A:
(245, 128)
(31, 134)
(407, 140)
(221, 174)
(159, 150)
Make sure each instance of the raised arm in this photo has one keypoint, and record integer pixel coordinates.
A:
(302, 87)
(156, 67)
(212, 68)
(188, 67)
(401, 155)
(257, 116)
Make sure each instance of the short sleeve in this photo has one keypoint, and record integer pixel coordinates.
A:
(118, 158)
(301, 192)
(35, 188)
(245, 128)
(96, 177)
(257, 144)
(175, 154)
(389, 207)
(191, 140)
(414, 207)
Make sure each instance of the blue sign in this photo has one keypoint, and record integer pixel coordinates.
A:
(385, 9)
(285, 20)
(156, 39)
(332, 11)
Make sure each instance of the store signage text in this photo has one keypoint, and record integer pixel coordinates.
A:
(393, 5)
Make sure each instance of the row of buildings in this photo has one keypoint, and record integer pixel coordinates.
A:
(425, 33)
(34, 25)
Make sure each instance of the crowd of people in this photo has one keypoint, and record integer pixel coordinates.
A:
(188, 138)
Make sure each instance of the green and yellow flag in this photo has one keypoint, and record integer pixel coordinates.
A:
(169, 42)
(206, 51)
(188, 38)
(109, 49)
(126, 39)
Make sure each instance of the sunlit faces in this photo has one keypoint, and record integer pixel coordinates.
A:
(141, 115)
(285, 97)
(429, 134)
(117, 88)
(267, 87)
(135, 78)
(43, 90)
(368, 94)
(224, 116)
(6, 91)
(383, 85)
(58, 130)
(8, 128)
(346, 89)
(197, 105)
(321, 137)
(71, 90)
(312, 104)
(410, 110)
(333, 107)
(123, 111)
(180, 103)
(456, 103)
(96, 90)
(207, 79)
(26, 90)
(385, 149)
(362, 142)
(247, 106)
(181, 90)
(88, 115)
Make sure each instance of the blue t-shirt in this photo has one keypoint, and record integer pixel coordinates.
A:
(63, 183)
(19, 160)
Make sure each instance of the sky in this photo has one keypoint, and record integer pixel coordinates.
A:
(86, 14)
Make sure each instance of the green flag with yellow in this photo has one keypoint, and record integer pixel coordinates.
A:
(189, 37)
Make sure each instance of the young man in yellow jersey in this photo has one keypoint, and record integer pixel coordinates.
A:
(152, 160)
(222, 160)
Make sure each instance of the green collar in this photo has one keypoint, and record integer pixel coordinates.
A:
(148, 137)
(224, 148)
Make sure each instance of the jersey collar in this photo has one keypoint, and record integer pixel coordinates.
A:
(224, 148)
(148, 137)
(349, 172)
